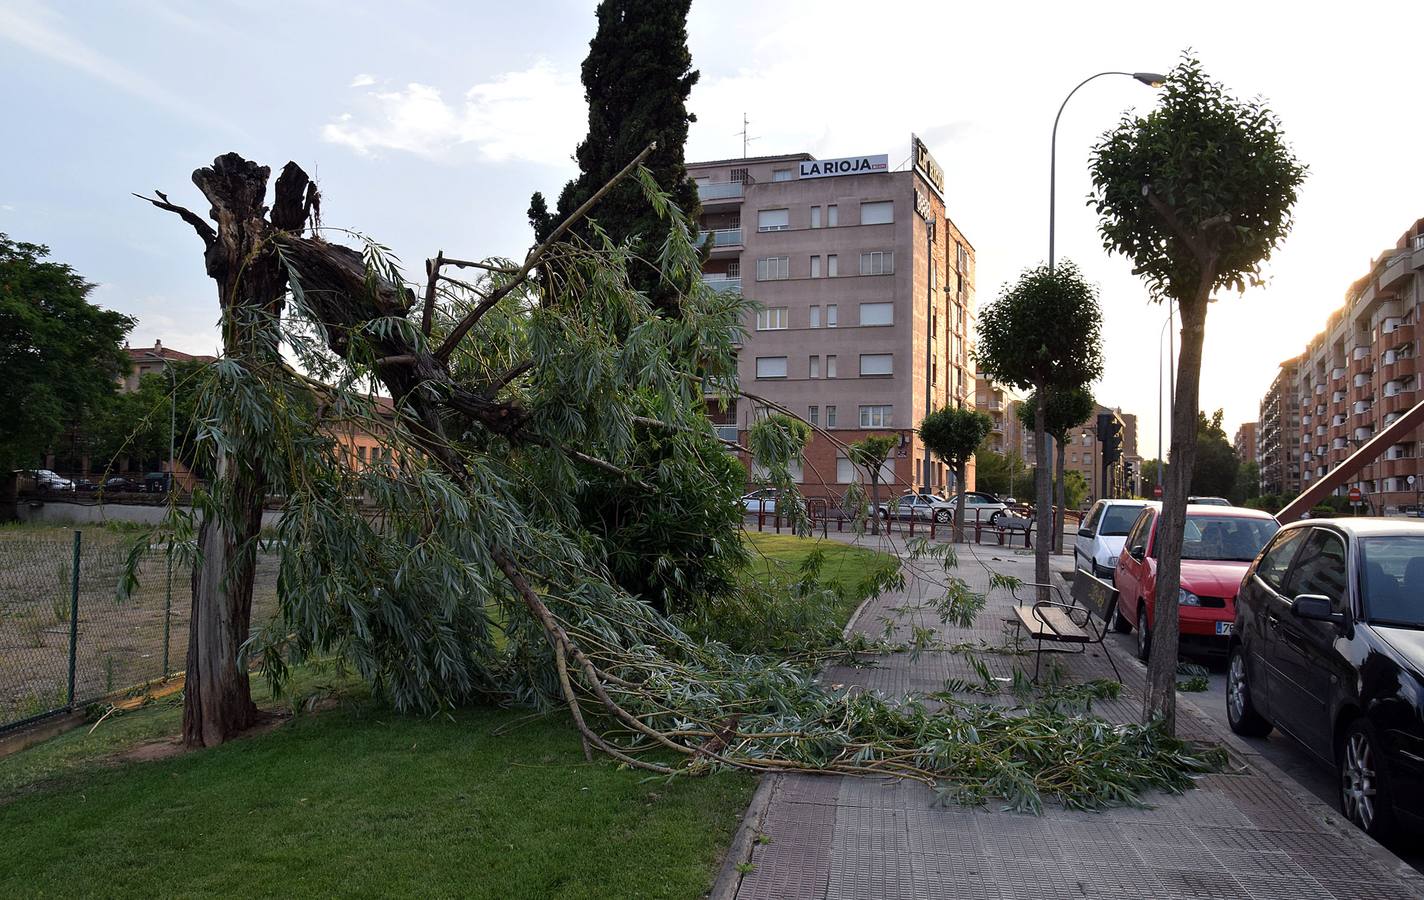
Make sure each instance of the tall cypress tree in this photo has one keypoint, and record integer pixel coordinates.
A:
(636, 79)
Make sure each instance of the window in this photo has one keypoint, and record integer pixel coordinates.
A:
(780, 174)
(832, 216)
(773, 268)
(815, 217)
(816, 366)
(361, 453)
(877, 364)
(881, 212)
(1090, 524)
(1320, 568)
(877, 313)
(831, 366)
(739, 175)
(830, 315)
(961, 258)
(813, 413)
(771, 367)
(1275, 561)
(831, 414)
(773, 220)
(734, 269)
(815, 316)
(1141, 529)
(815, 267)
(877, 262)
(831, 268)
(845, 471)
(875, 416)
(773, 318)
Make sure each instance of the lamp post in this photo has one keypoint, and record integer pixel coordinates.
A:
(1151, 79)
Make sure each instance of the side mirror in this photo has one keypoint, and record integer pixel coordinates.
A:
(1087, 532)
(1138, 552)
(1316, 607)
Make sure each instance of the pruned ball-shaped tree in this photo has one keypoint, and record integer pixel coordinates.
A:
(953, 434)
(1198, 195)
(1042, 333)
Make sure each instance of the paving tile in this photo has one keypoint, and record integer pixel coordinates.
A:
(1276, 888)
(1368, 890)
(1181, 885)
(1249, 862)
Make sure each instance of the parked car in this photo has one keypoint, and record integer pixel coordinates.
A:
(84, 484)
(912, 505)
(978, 506)
(765, 500)
(119, 483)
(157, 482)
(1329, 648)
(1101, 536)
(1210, 501)
(48, 480)
(1218, 546)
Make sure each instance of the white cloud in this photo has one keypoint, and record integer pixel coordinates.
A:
(536, 115)
(362, 80)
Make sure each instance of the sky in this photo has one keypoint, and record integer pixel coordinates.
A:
(428, 126)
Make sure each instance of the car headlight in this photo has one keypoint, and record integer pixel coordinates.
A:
(1187, 598)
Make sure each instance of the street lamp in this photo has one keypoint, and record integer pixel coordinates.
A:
(1151, 79)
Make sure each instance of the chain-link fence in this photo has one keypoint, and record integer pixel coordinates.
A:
(66, 641)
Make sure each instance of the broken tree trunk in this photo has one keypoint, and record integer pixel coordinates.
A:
(240, 256)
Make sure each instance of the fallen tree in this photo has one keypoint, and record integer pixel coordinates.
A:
(465, 571)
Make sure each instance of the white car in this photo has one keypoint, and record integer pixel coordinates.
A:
(1101, 536)
(48, 480)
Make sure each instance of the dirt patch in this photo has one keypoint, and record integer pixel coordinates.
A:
(151, 751)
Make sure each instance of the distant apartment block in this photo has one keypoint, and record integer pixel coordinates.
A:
(1278, 446)
(865, 293)
(1361, 373)
(1245, 443)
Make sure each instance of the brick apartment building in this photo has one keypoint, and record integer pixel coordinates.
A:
(865, 290)
(1245, 443)
(1361, 373)
(1278, 446)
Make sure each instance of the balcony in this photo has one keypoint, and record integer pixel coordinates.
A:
(723, 284)
(1402, 335)
(1364, 365)
(720, 192)
(722, 238)
(1396, 271)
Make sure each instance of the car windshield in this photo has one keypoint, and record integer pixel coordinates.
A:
(1228, 538)
(1394, 579)
(1117, 520)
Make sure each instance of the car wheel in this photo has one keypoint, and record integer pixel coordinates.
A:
(941, 516)
(1116, 622)
(1240, 711)
(1144, 635)
(1363, 791)
(996, 517)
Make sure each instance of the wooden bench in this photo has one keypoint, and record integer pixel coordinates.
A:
(1057, 622)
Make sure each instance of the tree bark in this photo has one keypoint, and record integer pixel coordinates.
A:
(961, 472)
(1061, 443)
(251, 282)
(875, 503)
(1043, 491)
(1160, 700)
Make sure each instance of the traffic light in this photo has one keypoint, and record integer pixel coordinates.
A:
(1111, 437)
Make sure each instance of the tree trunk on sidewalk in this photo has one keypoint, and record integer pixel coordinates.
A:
(1160, 700)
(1043, 491)
(875, 505)
(239, 255)
(1061, 443)
(961, 473)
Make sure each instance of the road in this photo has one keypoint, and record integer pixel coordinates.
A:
(1284, 752)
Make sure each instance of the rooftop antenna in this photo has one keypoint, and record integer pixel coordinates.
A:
(745, 139)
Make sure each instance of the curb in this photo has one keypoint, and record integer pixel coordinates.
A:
(729, 877)
(1339, 825)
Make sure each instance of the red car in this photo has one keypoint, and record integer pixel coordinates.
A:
(1218, 546)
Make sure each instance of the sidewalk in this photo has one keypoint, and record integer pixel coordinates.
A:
(1248, 832)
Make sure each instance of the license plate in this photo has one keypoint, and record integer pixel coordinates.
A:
(1224, 627)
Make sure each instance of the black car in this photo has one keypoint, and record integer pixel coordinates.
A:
(1329, 648)
(119, 484)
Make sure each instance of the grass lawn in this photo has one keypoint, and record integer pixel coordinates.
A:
(359, 801)
(356, 800)
(845, 565)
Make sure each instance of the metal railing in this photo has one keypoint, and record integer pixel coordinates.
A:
(722, 237)
(719, 190)
(723, 284)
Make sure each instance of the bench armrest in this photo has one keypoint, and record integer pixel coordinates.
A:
(1069, 608)
(1057, 591)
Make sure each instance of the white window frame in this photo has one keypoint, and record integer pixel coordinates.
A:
(833, 216)
(876, 208)
(815, 366)
(847, 472)
(832, 265)
(815, 315)
(781, 175)
(831, 366)
(831, 416)
(880, 365)
(815, 217)
(813, 415)
(774, 268)
(877, 262)
(877, 415)
(815, 267)
(770, 367)
(783, 225)
(773, 318)
(831, 315)
(881, 313)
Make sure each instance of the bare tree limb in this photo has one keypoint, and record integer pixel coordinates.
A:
(471, 264)
(204, 230)
(468, 322)
(432, 272)
(509, 376)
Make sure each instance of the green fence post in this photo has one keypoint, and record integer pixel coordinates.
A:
(74, 616)
(167, 611)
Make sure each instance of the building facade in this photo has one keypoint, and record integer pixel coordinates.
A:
(1360, 374)
(1245, 443)
(1278, 446)
(865, 296)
